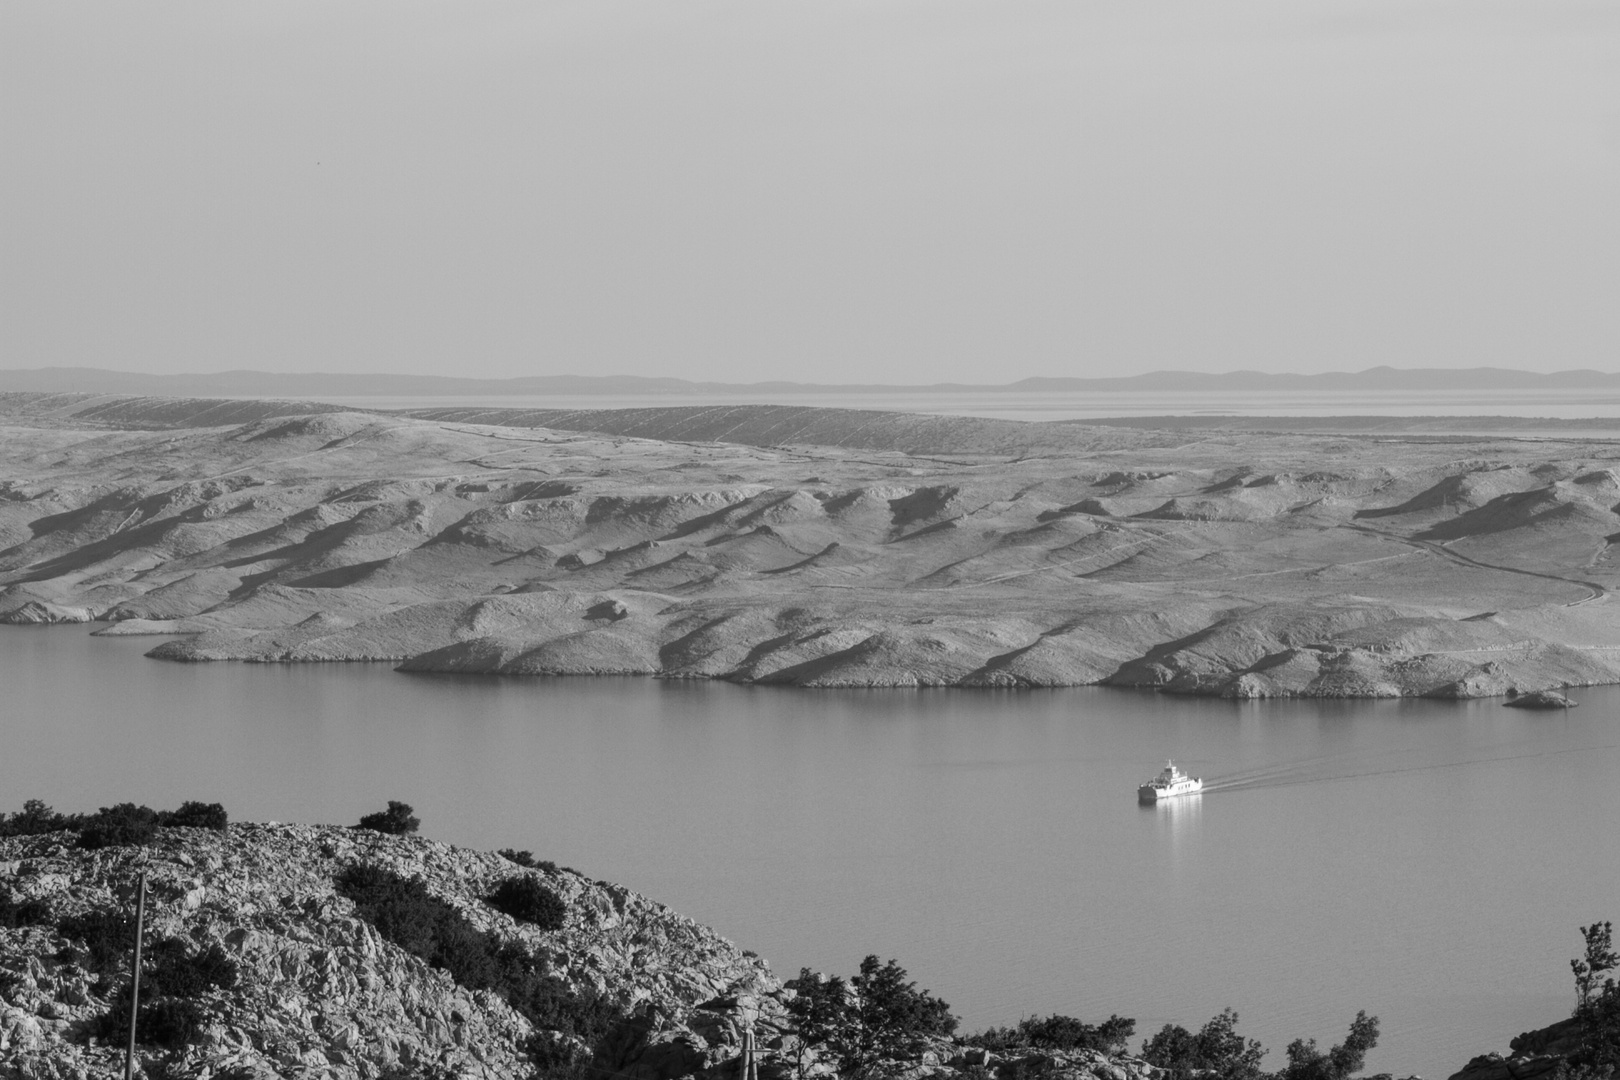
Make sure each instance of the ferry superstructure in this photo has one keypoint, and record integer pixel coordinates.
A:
(1169, 784)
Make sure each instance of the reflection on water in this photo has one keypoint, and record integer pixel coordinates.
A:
(1176, 823)
(1427, 853)
(1177, 814)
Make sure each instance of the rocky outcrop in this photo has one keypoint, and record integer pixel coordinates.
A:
(317, 990)
(1535, 1053)
(1539, 699)
(40, 613)
(322, 993)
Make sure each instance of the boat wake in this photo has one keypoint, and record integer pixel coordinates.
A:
(1351, 765)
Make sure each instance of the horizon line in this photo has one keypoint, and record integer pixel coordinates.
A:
(57, 376)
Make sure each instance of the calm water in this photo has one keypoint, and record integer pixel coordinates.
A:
(1558, 404)
(1427, 862)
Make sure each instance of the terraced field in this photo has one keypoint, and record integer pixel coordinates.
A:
(815, 547)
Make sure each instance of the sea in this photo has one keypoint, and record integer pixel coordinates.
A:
(1555, 404)
(1428, 862)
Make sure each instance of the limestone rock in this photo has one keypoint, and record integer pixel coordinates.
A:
(318, 986)
(1539, 699)
(1534, 1053)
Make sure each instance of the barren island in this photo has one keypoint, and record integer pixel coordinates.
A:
(817, 547)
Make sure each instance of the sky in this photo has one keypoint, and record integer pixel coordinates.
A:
(827, 191)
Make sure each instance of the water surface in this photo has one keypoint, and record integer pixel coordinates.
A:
(1557, 403)
(1426, 861)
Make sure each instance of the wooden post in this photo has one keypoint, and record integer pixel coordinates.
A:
(748, 1070)
(135, 980)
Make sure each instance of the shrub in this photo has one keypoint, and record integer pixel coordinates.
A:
(111, 826)
(108, 937)
(172, 977)
(172, 1023)
(555, 1057)
(15, 913)
(1058, 1032)
(1597, 1008)
(122, 825)
(407, 914)
(1217, 1049)
(195, 815)
(1306, 1062)
(526, 900)
(36, 818)
(526, 858)
(176, 971)
(397, 820)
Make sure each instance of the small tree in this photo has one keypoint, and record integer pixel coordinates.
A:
(397, 820)
(877, 1016)
(196, 815)
(821, 1011)
(894, 1014)
(123, 825)
(1600, 957)
(1217, 1048)
(35, 818)
(1597, 1007)
(1306, 1062)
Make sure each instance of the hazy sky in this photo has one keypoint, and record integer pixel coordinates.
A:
(900, 190)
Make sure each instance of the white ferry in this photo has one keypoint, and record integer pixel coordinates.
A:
(1170, 783)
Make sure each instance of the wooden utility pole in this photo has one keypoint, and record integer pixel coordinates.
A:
(135, 979)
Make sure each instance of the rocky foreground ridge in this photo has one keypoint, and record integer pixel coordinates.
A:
(316, 990)
(264, 962)
(817, 548)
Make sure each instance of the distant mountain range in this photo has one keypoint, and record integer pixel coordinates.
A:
(319, 385)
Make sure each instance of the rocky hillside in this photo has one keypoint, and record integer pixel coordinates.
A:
(895, 551)
(266, 959)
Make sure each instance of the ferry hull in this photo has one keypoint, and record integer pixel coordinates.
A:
(1147, 793)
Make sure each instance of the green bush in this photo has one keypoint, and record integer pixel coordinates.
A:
(526, 858)
(526, 900)
(36, 818)
(107, 936)
(397, 820)
(15, 913)
(406, 913)
(1306, 1062)
(172, 977)
(174, 970)
(122, 825)
(1058, 1032)
(1217, 1050)
(195, 815)
(111, 826)
(172, 1023)
(1597, 1008)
